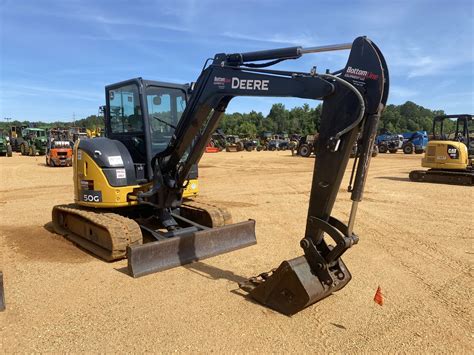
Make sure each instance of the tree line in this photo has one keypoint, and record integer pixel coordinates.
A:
(298, 120)
(305, 120)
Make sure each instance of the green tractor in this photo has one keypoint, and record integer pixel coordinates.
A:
(32, 141)
(5, 147)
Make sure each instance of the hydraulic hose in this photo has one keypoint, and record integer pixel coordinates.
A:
(361, 102)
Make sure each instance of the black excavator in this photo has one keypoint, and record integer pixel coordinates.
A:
(129, 185)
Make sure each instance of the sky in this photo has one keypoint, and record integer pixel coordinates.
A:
(56, 56)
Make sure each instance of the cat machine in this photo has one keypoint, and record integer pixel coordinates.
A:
(450, 153)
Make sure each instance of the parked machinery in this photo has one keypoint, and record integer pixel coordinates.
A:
(14, 134)
(233, 144)
(129, 186)
(389, 142)
(59, 148)
(272, 145)
(263, 140)
(278, 142)
(414, 142)
(76, 133)
(93, 132)
(5, 147)
(261, 145)
(218, 140)
(306, 145)
(293, 143)
(283, 144)
(450, 154)
(250, 144)
(32, 141)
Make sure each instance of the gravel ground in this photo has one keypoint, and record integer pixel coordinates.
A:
(415, 242)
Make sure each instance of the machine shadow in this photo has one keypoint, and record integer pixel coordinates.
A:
(213, 273)
(340, 326)
(393, 178)
(297, 156)
(123, 270)
(49, 227)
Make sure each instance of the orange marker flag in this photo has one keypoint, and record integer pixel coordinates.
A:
(378, 298)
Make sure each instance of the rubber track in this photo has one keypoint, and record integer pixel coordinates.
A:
(121, 231)
(443, 177)
(219, 215)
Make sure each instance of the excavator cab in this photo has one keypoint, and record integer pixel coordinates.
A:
(130, 185)
(143, 115)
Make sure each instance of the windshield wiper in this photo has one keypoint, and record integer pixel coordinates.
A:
(163, 121)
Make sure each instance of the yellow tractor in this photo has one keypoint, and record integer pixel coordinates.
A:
(449, 155)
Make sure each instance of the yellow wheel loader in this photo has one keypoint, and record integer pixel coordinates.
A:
(449, 155)
(130, 186)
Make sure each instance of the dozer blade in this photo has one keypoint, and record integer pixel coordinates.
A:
(293, 287)
(161, 255)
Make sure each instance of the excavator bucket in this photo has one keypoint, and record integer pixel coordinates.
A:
(165, 254)
(292, 286)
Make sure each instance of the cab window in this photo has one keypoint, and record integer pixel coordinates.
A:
(125, 111)
(165, 108)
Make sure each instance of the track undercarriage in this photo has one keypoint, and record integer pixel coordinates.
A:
(108, 235)
(451, 177)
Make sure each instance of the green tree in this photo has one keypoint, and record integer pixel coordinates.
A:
(247, 129)
(279, 115)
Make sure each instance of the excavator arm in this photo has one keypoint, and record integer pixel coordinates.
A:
(353, 99)
(232, 75)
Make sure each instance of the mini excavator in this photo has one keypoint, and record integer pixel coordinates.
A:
(449, 157)
(130, 185)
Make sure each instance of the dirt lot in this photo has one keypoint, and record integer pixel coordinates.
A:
(415, 242)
